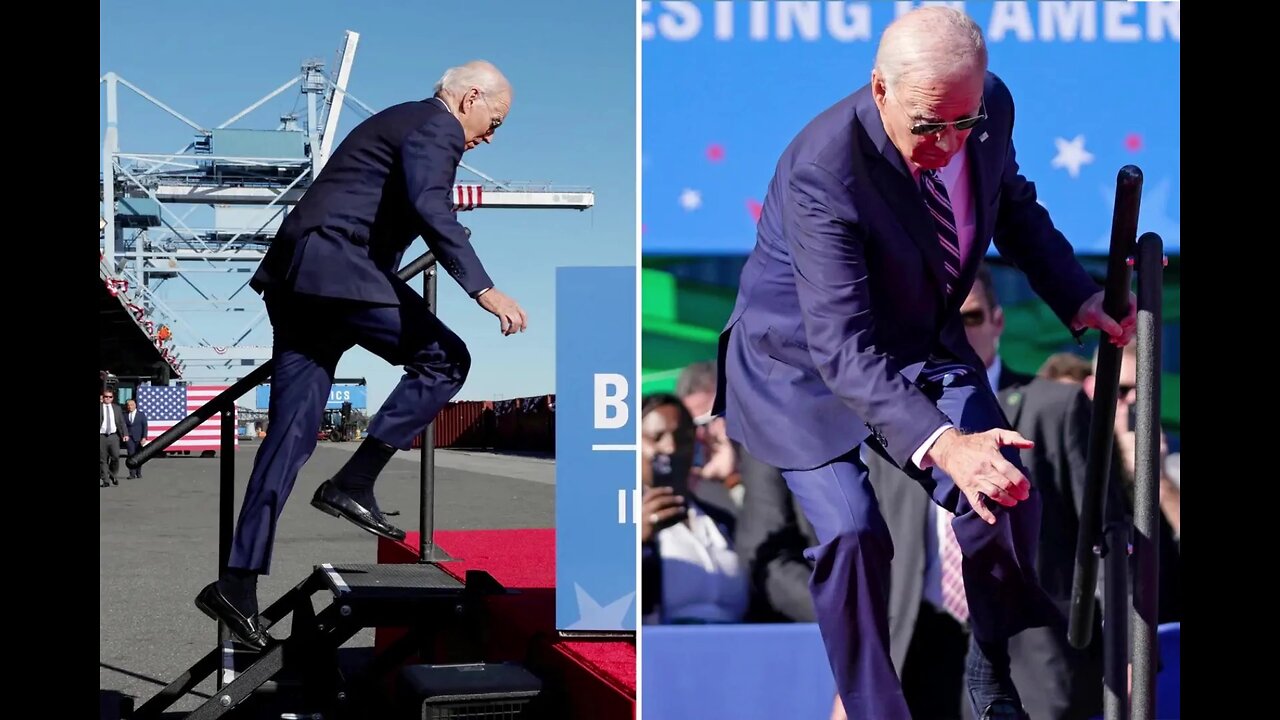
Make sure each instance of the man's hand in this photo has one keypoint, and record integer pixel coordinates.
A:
(511, 317)
(1092, 315)
(975, 464)
(721, 460)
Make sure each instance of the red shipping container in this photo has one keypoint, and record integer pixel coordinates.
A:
(464, 425)
(521, 424)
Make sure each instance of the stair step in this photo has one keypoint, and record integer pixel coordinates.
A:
(390, 582)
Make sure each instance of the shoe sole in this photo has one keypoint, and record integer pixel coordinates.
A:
(322, 507)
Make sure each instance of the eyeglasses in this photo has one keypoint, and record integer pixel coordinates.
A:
(973, 318)
(935, 127)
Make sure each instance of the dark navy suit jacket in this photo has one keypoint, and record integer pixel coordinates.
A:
(136, 430)
(842, 300)
(389, 182)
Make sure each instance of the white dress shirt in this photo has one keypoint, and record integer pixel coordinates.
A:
(702, 579)
(108, 426)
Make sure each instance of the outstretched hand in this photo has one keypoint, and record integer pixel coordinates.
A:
(977, 467)
(511, 317)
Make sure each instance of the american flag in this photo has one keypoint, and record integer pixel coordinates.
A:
(467, 197)
(166, 405)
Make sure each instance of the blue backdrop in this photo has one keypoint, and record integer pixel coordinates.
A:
(728, 84)
(596, 476)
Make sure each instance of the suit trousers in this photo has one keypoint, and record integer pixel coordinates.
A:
(109, 455)
(132, 446)
(850, 581)
(311, 334)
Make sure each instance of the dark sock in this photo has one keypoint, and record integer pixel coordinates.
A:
(240, 587)
(360, 472)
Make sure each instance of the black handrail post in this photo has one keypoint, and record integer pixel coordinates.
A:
(1089, 543)
(428, 551)
(1147, 471)
(226, 509)
(1115, 621)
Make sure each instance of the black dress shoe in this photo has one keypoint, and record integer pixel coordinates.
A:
(1004, 710)
(247, 630)
(335, 501)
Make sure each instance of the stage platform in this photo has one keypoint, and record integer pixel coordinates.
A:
(589, 679)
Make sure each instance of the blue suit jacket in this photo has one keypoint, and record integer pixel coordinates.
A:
(136, 430)
(842, 300)
(389, 182)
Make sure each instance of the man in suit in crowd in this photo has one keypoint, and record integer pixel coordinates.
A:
(136, 422)
(847, 332)
(111, 432)
(329, 283)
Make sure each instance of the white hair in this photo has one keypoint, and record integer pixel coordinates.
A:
(930, 42)
(477, 73)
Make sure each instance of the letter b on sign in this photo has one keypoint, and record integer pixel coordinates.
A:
(610, 401)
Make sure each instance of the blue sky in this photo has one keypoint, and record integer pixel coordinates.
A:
(572, 64)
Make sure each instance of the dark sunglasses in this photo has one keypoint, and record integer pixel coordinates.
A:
(973, 318)
(933, 128)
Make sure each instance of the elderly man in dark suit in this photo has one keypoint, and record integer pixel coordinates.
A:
(329, 283)
(111, 432)
(847, 332)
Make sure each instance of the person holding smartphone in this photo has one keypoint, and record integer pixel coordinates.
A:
(690, 572)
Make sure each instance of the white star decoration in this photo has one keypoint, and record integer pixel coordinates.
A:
(690, 199)
(1071, 155)
(593, 616)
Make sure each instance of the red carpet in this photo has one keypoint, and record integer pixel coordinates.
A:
(595, 678)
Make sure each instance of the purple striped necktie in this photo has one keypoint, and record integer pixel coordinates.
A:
(935, 198)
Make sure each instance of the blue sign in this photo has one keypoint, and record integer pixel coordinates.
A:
(596, 421)
(727, 85)
(357, 395)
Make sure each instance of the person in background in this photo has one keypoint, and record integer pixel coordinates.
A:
(111, 432)
(689, 570)
(136, 422)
